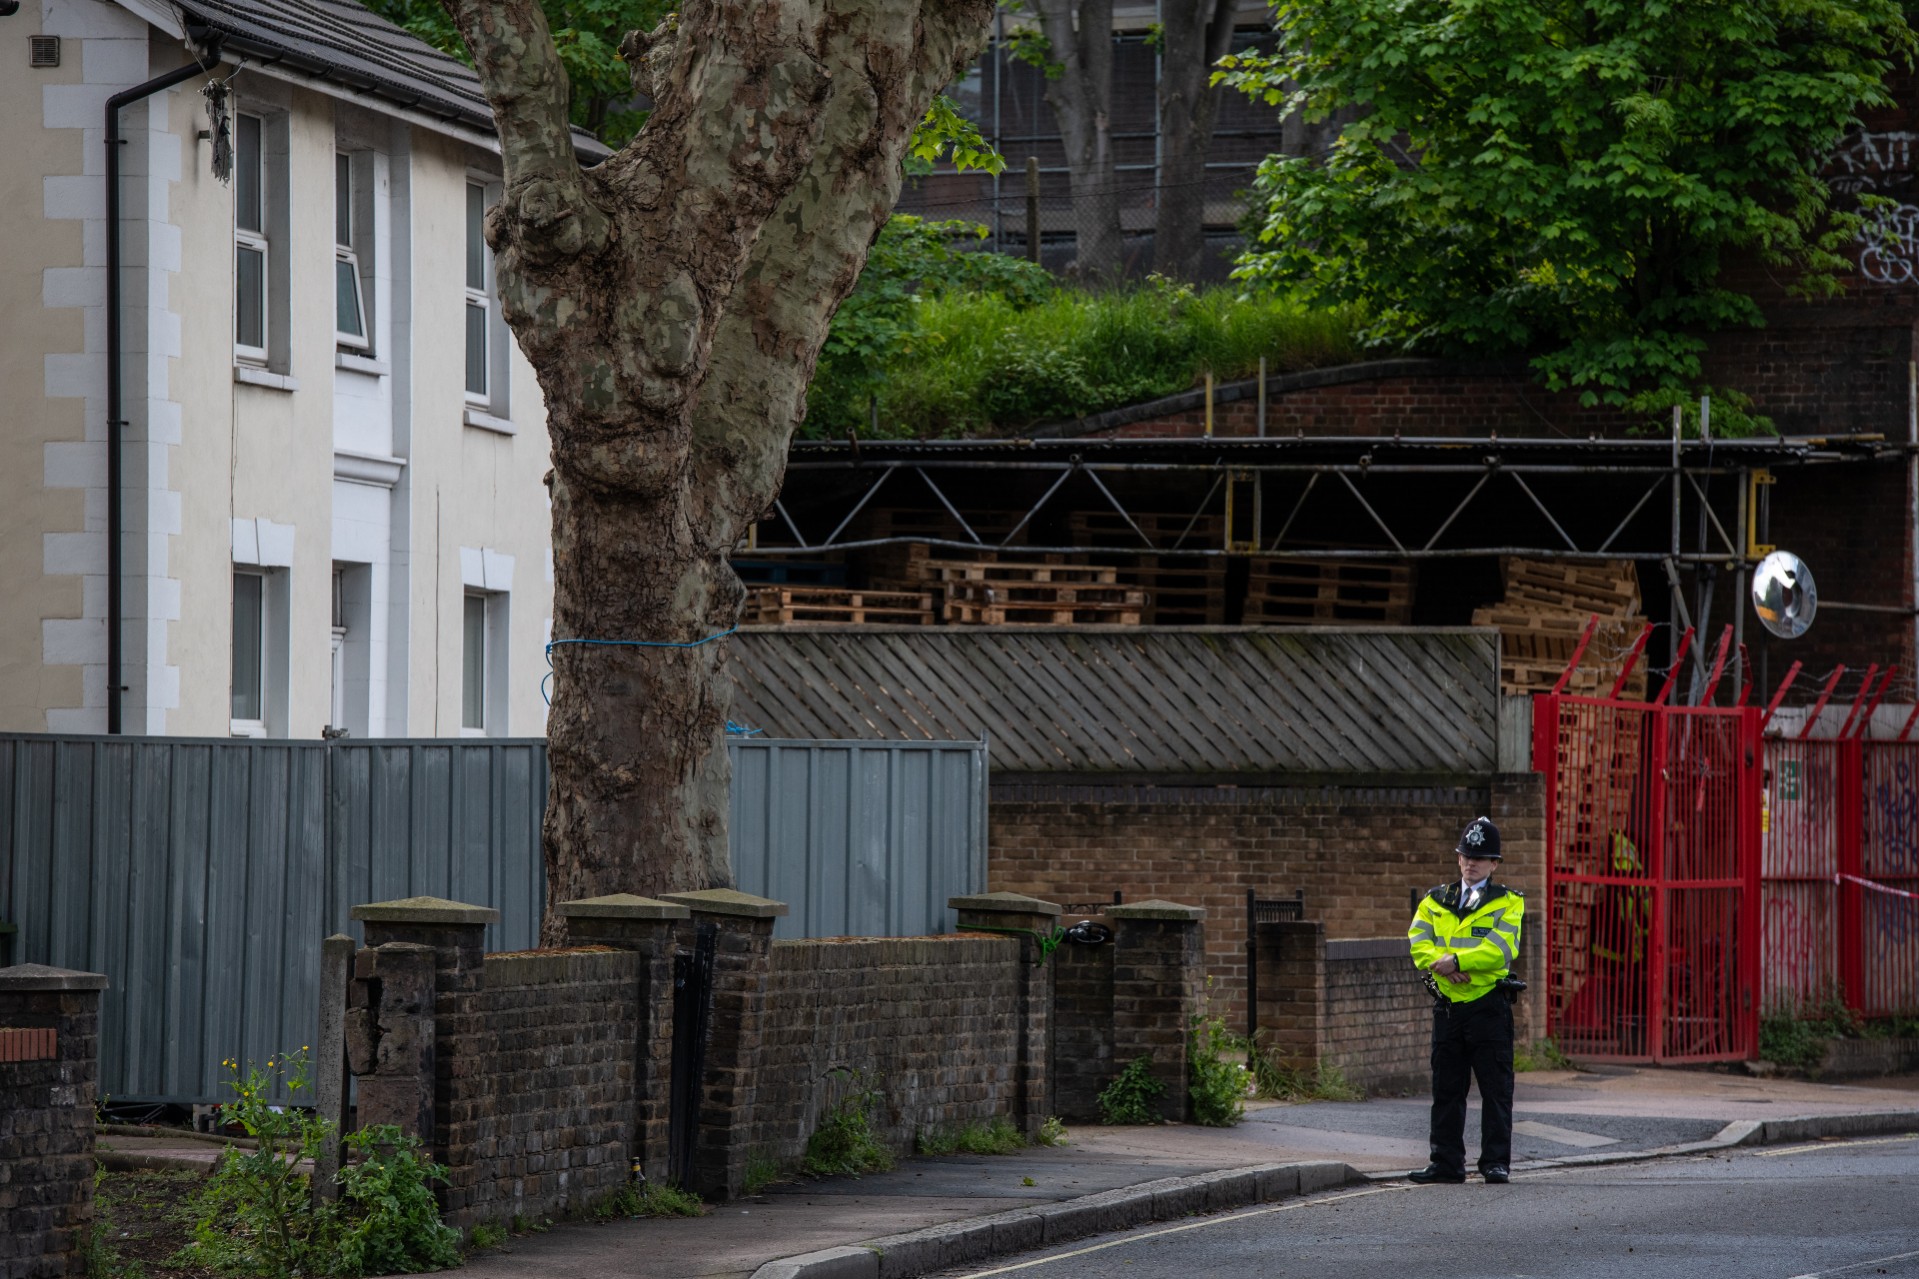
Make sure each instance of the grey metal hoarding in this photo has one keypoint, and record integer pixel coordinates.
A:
(201, 874)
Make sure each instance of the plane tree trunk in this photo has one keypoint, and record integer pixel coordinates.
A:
(673, 301)
(1197, 34)
(1079, 88)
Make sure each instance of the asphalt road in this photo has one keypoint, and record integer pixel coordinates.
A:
(1835, 1210)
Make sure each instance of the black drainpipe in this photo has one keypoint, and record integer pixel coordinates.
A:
(115, 516)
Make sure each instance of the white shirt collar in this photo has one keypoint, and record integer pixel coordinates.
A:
(1467, 889)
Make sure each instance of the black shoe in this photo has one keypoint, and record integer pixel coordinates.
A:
(1432, 1173)
(1497, 1175)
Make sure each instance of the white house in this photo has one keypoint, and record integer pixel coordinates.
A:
(331, 499)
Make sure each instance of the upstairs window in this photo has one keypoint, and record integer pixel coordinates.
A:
(479, 305)
(250, 248)
(349, 303)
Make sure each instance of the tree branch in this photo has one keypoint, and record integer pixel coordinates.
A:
(887, 63)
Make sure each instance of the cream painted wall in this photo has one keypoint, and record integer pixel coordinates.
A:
(43, 262)
(473, 488)
(250, 452)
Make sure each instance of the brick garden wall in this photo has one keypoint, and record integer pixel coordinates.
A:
(539, 1116)
(1358, 852)
(1378, 1020)
(929, 1022)
(49, 1074)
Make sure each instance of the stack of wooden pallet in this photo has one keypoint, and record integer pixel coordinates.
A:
(1333, 592)
(1181, 589)
(997, 593)
(999, 589)
(828, 606)
(1546, 608)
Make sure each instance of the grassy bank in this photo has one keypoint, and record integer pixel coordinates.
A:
(953, 344)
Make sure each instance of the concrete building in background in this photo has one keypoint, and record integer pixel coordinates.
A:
(332, 450)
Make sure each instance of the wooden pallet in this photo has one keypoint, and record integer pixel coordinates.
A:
(1180, 590)
(976, 603)
(818, 605)
(1054, 570)
(1610, 589)
(1329, 592)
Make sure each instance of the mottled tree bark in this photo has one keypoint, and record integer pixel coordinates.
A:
(1080, 34)
(673, 301)
(1197, 33)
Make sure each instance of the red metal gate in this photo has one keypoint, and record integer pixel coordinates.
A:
(1651, 918)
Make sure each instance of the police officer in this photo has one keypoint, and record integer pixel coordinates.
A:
(1466, 935)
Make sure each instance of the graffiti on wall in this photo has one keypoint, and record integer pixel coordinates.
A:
(1879, 163)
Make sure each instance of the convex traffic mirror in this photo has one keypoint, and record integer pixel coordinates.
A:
(1783, 594)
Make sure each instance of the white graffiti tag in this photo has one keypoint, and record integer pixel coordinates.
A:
(1865, 160)
(1891, 252)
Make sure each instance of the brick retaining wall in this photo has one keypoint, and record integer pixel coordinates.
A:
(539, 1116)
(929, 1022)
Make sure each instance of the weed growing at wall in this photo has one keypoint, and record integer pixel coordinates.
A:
(1277, 1082)
(1541, 1054)
(486, 1235)
(650, 1199)
(255, 1214)
(386, 1221)
(1215, 1076)
(844, 1144)
(1796, 1037)
(1132, 1097)
(761, 1171)
(1052, 1132)
(997, 1136)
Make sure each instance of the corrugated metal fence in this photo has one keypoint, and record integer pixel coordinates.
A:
(200, 875)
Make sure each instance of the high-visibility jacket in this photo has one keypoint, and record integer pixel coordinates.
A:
(1485, 939)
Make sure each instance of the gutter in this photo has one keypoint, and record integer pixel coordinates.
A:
(115, 420)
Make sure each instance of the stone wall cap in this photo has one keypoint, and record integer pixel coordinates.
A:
(42, 977)
(1154, 908)
(622, 906)
(728, 901)
(1016, 903)
(425, 910)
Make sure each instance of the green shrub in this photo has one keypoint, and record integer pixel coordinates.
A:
(1052, 1132)
(255, 1213)
(1796, 1036)
(844, 1144)
(997, 1136)
(1215, 1075)
(1133, 1096)
(387, 1222)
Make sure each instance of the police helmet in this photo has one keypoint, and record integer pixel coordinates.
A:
(1479, 839)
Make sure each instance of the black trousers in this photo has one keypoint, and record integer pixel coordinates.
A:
(1472, 1041)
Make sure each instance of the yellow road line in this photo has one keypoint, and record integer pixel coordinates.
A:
(1836, 1145)
(1193, 1225)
